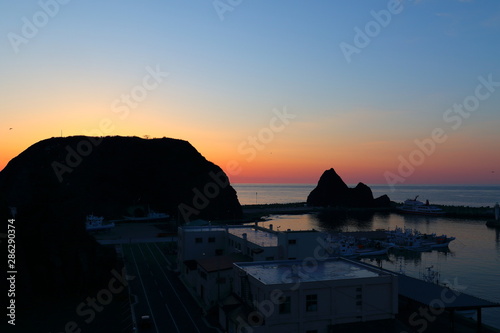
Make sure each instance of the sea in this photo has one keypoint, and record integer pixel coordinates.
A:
(472, 260)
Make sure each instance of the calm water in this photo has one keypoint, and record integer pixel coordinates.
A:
(473, 259)
(474, 196)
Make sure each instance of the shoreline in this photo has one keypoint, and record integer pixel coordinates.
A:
(258, 212)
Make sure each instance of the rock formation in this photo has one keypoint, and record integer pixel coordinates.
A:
(55, 183)
(331, 191)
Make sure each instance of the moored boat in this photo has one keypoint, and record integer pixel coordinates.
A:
(96, 223)
(409, 239)
(414, 206)
(152, 216)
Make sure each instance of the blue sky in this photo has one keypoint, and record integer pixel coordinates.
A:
(226, 76)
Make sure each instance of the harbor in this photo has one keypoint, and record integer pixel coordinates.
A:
(448, 296)
(471, 259)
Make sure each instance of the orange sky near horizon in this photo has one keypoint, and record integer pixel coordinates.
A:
(280, 101)
(300, 162)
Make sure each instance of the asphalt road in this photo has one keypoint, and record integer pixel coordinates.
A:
(158, 292)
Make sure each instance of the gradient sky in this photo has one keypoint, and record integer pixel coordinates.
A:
(271, 91)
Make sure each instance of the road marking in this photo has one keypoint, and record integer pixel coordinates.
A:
(145, 293)
(173, 289)
(168, 261)
(173, 319)
(168, 309)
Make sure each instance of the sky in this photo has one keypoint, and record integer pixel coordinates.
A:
(385, 92)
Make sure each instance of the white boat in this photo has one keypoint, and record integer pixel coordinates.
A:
(350, 247)
(365, 252)
(409, 239)
(152, 216)
(406, 239)
(413, 206)
(95, 223)
(366, 247)
(436, 242)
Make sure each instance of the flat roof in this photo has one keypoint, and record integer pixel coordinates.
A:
(220, 263)
(292, 271)
(256, 236)
(426, 293)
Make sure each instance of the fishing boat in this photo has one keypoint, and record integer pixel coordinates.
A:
(414, 206)
(152, 216)
(95, 223)
(366, 248)
(406, 239)
(409, 239)
(351, 247)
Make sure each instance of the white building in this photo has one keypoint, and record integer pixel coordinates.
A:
(252, 240)
(214, 278)
(308, 296)
(220, 246)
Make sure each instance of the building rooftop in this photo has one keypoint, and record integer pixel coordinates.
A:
(425, 293)
(220, 263)
(292, 271)
(257, 236)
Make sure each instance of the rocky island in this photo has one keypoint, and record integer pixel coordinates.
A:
(331, 191)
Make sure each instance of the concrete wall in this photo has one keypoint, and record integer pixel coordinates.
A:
(212, 291)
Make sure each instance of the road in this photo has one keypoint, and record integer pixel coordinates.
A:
(159, 293)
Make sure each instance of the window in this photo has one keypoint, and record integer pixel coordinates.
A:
(198, 240)
(211, 239)
(285, 305)
(359, 299)
(219, 252)
(312, 331)
(311, 303)
(269, 258)
(292, 241)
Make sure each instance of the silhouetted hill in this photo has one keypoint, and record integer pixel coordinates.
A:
(56, 182)
(331, 191)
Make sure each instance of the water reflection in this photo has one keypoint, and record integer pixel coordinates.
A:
(473, 257)
(336, 221)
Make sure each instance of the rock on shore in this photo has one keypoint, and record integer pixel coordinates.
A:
(331, 191)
